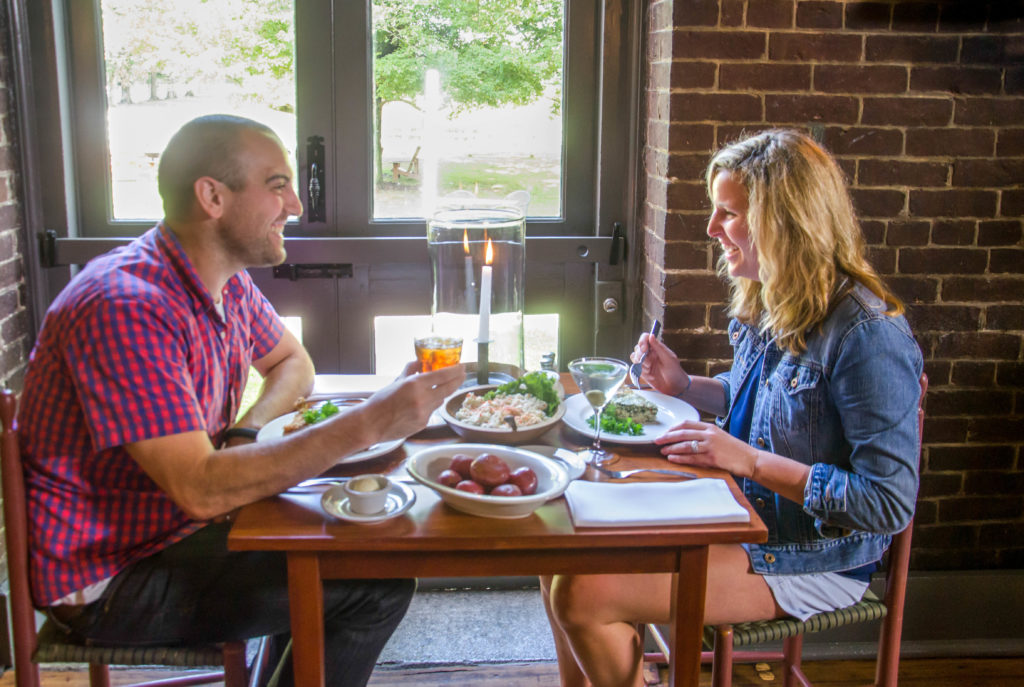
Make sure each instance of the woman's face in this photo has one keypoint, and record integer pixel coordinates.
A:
(728, 224)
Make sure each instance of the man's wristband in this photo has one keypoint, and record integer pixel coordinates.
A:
(244, 432)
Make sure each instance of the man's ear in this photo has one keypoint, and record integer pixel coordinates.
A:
(210, 196)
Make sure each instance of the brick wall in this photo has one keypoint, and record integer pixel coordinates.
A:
(923, 105)
(15, 330)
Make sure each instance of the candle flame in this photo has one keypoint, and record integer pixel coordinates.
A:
(465, 241)
(489, 253)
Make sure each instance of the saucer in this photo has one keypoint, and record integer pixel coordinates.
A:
(400, 499)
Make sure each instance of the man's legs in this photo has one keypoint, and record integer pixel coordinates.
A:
(197, 591)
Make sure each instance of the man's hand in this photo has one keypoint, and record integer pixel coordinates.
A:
(404, 407)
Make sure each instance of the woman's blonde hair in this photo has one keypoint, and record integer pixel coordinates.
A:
(803, 227)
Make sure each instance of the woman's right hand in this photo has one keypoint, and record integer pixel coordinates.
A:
(661, 367)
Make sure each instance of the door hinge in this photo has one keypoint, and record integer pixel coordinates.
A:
(294, 272)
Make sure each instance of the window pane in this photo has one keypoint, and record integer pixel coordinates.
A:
(467, 102)
(168, 62)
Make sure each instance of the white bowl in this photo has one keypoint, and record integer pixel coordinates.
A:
(498, 435)
(552, 479)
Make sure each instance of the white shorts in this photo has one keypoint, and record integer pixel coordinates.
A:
(804, 595)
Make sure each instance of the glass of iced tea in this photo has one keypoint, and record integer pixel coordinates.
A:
(434, 351)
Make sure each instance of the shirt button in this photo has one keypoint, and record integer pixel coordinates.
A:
(760, 503)
(735, 335)
(760, 442)
(769, 558)
(224, 335)
(793, 382)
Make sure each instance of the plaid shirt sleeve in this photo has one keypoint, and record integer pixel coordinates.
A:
(130, 367)
(265, 326)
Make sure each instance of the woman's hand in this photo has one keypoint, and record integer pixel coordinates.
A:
(707, 445)
(661, 367)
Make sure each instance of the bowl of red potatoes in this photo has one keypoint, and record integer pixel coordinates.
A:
(489, 480)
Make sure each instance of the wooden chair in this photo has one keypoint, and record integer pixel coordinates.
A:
(412, 171)
(49, 644)
(726, 638)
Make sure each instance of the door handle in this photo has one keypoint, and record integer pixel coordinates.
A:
(316, 205)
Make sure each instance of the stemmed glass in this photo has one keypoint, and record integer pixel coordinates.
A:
(598, 379)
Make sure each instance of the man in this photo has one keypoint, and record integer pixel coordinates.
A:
(133, 384)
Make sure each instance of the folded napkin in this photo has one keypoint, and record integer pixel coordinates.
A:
(631, 504)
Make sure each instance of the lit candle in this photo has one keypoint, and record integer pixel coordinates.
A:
(485, 295)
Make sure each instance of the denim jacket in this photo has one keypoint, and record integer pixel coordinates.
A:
(846, 406)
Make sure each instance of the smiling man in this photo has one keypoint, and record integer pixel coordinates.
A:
(133, 456)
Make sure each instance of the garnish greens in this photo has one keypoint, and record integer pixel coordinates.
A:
(613, 423)
(314, 415)
(535, 384)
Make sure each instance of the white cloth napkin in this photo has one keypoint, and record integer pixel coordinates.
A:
(631, 504)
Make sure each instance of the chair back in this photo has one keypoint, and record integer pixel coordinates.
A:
(23, 619)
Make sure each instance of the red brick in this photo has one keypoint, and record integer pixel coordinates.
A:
(1011, 203)
(945, 430)
(989, 111)
(991, 49)
(687, 226)
(996, 429)
(732, 12)
(694, 288)
(860, 79)
(942, 260)
(657, 191)
(685, 195)
(963, 402)
(983, 289)
(898, 47)
(656, 162)
(687, 167)
(907, 111)
(1006, 261)
(991, 173)
(925, 514)
(698, 346)
(823, 47)
(882, 259)
(963, 17)
(691, 138)
(1000, 232)
(954, 232)
(695, 13)
(659, 46)
(947, 142)
(718, 318)
(863, 141)
(819, 15)
(1014, 84)
(878, 202)
(958, 203)
(770, 14)
(679, 316)
(765, 77)
(687, 255)
(657, 134)
(660, 16)
(937, 371)
(943, 536)
(729, 107)
(915, 17)
(907, 233)
(811, 108)
(659, 75)
(1011, 143)
(901, 173)
(971, 80)
(928, 317)
(868, 15)
(1007, 15)
(996, 536)
(973, 373)
(1010, 374)
(914, 289)
(1004, 317)
(718, 45)
(873, 231)
(690, 74)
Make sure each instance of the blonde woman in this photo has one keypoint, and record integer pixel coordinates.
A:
(816, 419)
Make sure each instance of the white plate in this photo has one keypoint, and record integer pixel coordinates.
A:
(671, 411)
(275, 428)
(400, 499)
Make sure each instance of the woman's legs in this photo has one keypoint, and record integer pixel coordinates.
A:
(597, 614)
(569, 672)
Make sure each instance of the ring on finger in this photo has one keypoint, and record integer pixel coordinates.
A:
(694, 446)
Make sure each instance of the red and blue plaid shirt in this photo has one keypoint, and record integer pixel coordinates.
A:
(132, 349)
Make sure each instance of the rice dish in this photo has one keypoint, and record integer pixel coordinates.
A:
(481, 412)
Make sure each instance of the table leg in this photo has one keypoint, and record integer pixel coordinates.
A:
(306, 601)
(688, 590)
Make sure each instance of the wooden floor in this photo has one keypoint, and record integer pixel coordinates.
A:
(913, 673)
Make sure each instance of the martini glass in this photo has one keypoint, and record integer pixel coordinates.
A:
(598, 379)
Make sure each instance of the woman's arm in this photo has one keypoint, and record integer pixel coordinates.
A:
(661, 370)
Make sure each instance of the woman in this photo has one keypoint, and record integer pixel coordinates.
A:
(816, 419)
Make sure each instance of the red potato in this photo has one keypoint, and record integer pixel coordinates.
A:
(489, 470)
(526, 479)
(460, 464)
(470, 486)
(449, 478)
(507, 489)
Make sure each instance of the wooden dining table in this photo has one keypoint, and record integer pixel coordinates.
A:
(432, 539)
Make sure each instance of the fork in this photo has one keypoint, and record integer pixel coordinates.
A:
(621, 474)
(637, 368)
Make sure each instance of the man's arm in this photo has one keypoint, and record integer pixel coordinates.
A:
(206, 483)
(287, 376)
